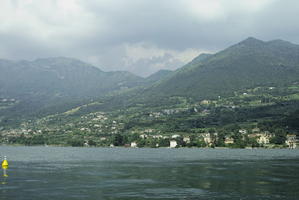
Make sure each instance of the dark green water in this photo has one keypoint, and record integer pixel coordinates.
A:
(123, 173)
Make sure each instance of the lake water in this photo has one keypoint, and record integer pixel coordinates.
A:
(124, 173)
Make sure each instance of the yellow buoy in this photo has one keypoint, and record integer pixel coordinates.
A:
(5, 167)
(5, 163)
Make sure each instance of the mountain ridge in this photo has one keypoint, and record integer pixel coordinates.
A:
(248, 63)
(56, 84)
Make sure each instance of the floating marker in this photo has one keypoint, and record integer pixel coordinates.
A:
(5, 163)
(5, 166)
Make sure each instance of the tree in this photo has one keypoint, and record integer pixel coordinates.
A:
(164, 142)
(238, 140)
(118, 140)
(92, 143)
(279, 138)
(201, 143)
(252, 142)
(75, 142)
(220, 140)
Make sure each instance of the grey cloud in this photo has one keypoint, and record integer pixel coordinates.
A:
(168, 25)
(18, 46)
(145, 67)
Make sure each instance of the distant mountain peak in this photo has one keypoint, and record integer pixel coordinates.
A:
(280, 42)
(251, 41)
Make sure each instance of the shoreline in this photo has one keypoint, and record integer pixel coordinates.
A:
(218, 148)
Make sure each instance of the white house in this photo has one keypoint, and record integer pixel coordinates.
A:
(229, 140)
(186, 139)
(173, 144)
(157, 136)
(291, 141)
(175, 136)
(243, 131)
(133, 144)
(143, 136)
(263, 139)
(207, 138)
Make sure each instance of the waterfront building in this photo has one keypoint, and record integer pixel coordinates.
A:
(173, 144)
(186, 139)
(229, 140)
(133, 144)
(291, 141)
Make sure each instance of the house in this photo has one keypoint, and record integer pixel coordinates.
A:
(173, 144)
(207, 138)
(243, 131)
(263, 138)
(143, 136)
(149, 130)
(175, 136)
(134, 144)
(205, 102)
(86, 144)
(291, 141)
(157, 136)
(229, 140)
(186, 140)
(255, 130)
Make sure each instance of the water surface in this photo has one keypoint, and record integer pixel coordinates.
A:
(125, 173)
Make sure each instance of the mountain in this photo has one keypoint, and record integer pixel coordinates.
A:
(247, 64)
(62, 77)
(159, 75)
(200, 58)
(56, 82)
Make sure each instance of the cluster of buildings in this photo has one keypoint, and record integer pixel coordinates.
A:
(262, 138)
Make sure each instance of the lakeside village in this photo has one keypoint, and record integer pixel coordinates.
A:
(165, 126)
(99, 130)
(147, 138)
(253, 140)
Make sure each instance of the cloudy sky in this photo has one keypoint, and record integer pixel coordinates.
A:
(141, 36)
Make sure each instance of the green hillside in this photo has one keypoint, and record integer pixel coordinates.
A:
(159, 75)
(248, 64)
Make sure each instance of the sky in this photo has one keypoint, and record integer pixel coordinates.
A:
(140, 36)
